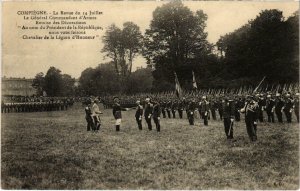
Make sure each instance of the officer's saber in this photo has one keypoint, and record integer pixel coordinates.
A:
(231, 124)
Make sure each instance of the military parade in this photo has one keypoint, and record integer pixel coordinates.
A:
(198, 106)
(36, 105)
(201, 107)
(174, 95)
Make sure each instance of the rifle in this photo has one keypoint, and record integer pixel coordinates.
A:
(259, 84)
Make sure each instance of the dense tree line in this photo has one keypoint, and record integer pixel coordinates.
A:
(266, 46)
(103, 80)
(176, 41)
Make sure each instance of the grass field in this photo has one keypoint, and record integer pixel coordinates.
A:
(53, 150)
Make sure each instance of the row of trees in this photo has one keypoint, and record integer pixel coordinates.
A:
(266, 46)
(103, 80)
(176, 41)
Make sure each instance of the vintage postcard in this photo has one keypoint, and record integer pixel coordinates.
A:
(159, 95)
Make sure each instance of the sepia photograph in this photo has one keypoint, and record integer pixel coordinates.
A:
(150, 95)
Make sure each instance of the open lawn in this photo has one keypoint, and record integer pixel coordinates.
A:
(53, 150)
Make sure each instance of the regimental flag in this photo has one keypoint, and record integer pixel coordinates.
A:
(178, 89)
(194, 81)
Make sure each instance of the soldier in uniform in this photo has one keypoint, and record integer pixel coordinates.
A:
(251, 114)
(174, 108)
(156, 115)
(204, 109)
(88, 117)
(220, 108)
(148, 113)
(139, 114)
(163, 108)
(2, 106)
(270, 107)
(180, 108)
(213, 107)
(288, 107)
(296, 106)
(190, 111)
(169, 105)
(278, 107)
(238, 106)
(185, 104)
(261, 105)
(228, 117)
(117, 109)
(95, 113)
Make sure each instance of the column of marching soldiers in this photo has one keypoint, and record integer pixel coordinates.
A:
(36, 104)
(276, 107)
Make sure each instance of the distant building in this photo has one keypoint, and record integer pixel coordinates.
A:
(17, 87)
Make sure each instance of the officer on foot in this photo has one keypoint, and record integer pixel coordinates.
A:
(169, 105)
(270, 107)
(213, 107)
(220, 108)
(88, 117)
(228, 117)
(251, 114)
(278, 107)
(117, 112)
(180, 108)
(148, 113)
(156, 115)
(139, 114)
(95, 113)
(163, 108)
(190, 111)
(288, 107)
(174, 108)
(204, 109)
(262, 106)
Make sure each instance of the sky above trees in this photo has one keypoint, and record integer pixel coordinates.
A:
(22, 58)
